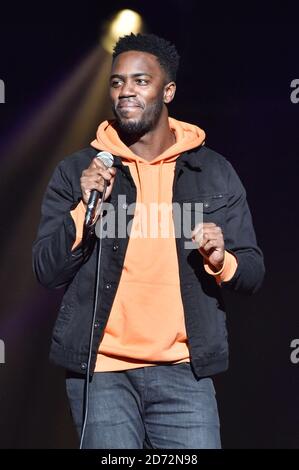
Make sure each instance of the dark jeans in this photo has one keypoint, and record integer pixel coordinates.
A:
(157, 407)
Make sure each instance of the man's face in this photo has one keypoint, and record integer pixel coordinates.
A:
(137, 85)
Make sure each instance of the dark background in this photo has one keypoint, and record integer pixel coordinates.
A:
(234, 82)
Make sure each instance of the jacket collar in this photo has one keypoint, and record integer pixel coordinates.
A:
(190, 158)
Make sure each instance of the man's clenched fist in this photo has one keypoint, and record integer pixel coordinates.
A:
(93, 178)
(210, 243)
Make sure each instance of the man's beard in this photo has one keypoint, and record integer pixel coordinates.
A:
(132, 127)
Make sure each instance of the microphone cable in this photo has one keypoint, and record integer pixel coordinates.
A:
(91, 335)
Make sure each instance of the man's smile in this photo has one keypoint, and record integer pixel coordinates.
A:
(126, 109)
(128, 105)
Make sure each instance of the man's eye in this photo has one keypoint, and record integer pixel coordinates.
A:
(115, 83)
(142, 81)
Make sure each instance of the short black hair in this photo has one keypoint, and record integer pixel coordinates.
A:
(165, 52)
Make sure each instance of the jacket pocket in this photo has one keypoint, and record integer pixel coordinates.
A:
(214, 202)
(205, 208)
(214, 209)
(65, 312)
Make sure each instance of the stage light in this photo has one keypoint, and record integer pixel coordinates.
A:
(121, 24)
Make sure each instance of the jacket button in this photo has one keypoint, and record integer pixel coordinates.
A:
(96, 324)
(83, 366)
(125, 206)
(115, 247)
(206, 204)
(108, 286)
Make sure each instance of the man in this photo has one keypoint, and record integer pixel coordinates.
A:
(159, 334)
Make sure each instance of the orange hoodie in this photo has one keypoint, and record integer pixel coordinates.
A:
(146, 324)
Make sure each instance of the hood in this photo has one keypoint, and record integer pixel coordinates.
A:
(188, 136)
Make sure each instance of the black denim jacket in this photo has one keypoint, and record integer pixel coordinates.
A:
(201, 176)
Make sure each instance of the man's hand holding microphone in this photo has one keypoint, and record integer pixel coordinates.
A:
(97, 181)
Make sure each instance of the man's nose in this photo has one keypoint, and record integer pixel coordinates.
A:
(127, 89)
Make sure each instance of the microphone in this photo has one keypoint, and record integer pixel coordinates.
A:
(95, 195)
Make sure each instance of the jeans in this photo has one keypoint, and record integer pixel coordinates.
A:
(156, 407)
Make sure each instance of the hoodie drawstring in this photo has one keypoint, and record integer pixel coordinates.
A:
(140, 192)
(159, 194)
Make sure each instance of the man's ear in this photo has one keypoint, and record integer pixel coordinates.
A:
(169, 92)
